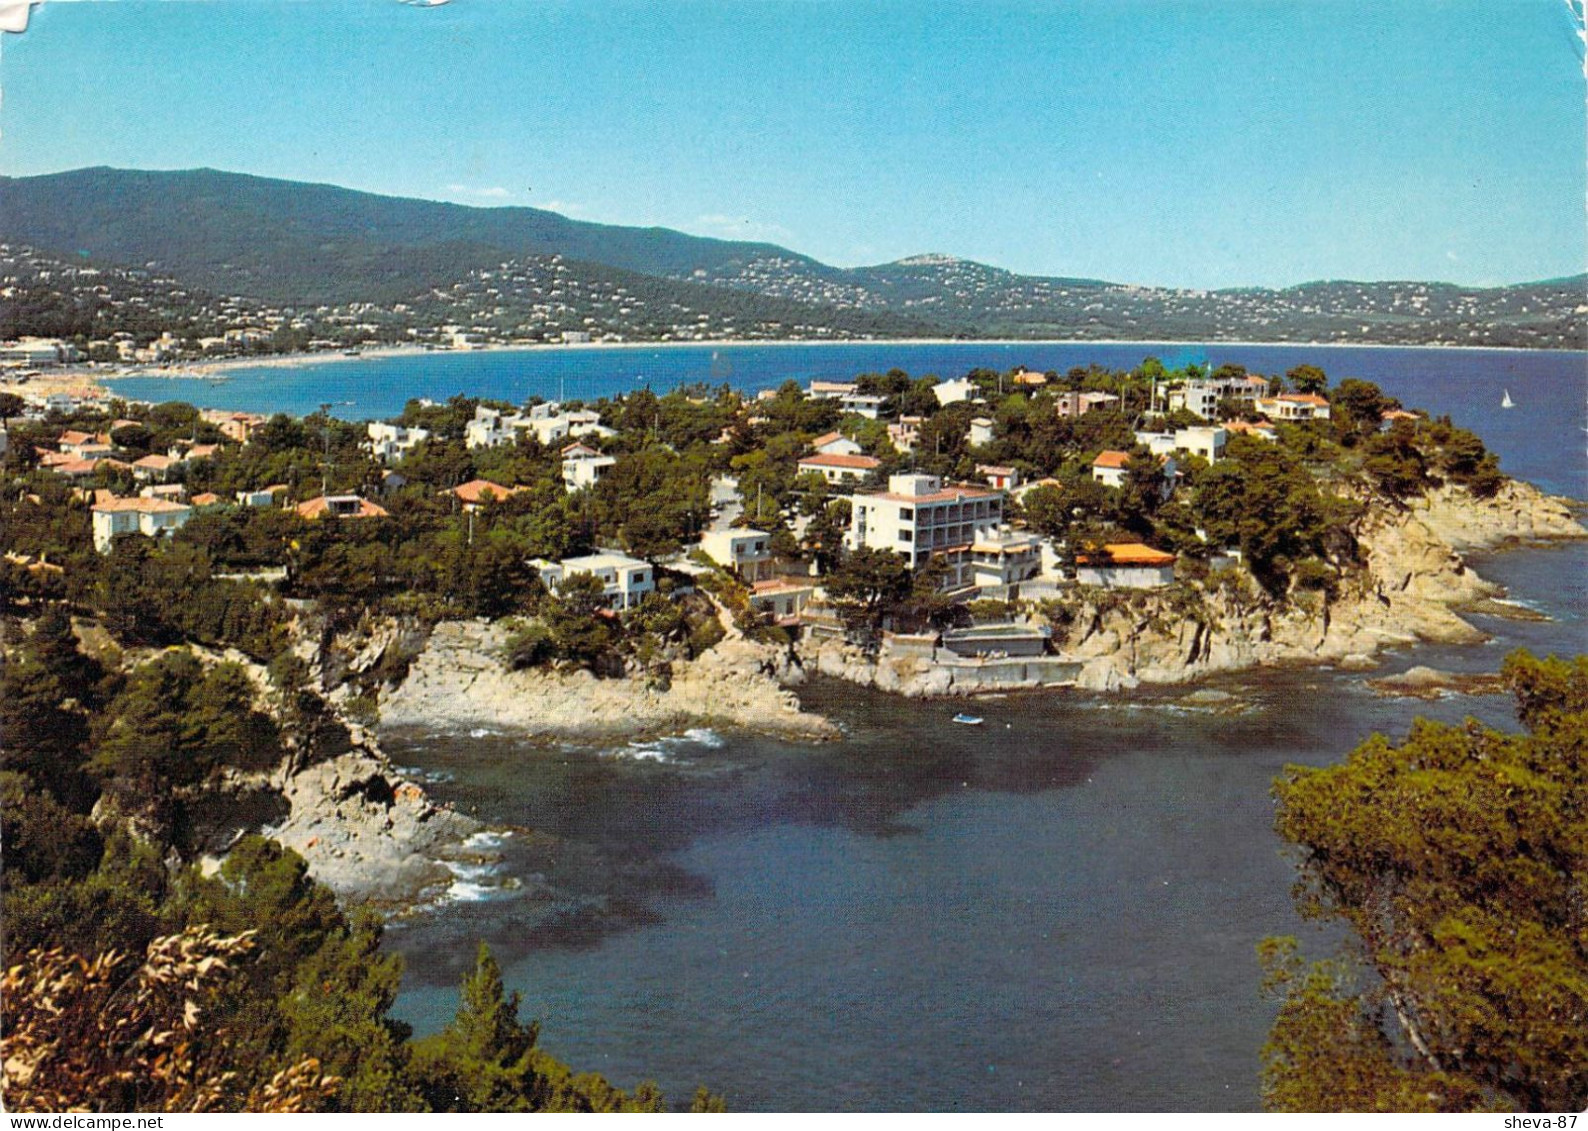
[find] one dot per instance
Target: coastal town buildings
(1207, 442)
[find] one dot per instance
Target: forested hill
(284, 242)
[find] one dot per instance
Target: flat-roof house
(624, 580)
(1125, 565)
(1002, 478)
(340, 506)
(1079, 404)
(868, 405)
(952, 392)
(981, 432)
(840, 469)
(154, 518)
(1206, 442)
(831, 390)
(747, 552)
(390, 442)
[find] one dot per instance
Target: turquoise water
(1055, 911)
(1549, 387)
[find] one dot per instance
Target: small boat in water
(1506, 401)
(968, 720)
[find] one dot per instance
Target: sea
(1055, 911)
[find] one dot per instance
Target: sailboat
(1506, 401)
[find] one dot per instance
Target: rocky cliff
(1413, 585)
(458, 683)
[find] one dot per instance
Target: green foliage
(1456, 860)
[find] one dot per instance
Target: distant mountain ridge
(291, 243)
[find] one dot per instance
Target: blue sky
(1203, 144)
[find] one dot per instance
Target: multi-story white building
(152, 517)
(1203, 397)
(583, 467)
(746, 552)
(962, 526)
(390, 442)
(831, 390)
(491, 427)
(624, 580)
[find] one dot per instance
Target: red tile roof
(1129, 553)
(853, 463)
(1111, 458)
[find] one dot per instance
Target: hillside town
(968, 516)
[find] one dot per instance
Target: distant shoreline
(201, 370)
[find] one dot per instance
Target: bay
(1550, 388)
(1057, 911)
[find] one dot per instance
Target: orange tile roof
(1130, 553)
(826, 438)
(205, 498)
(854, 463)
(478, 490)
(1111, 458)
(318, 507)
(1305, 398)
(155, 463)
(141, 505)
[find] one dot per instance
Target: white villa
(840, 469)
(747, 552)
(952, 392)
(390, 442)
(624, 580)
(152, 517)
(491, 428)
(1205, 442)
(583, 466)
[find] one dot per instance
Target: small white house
(835, 444)
(152, 517)
(952, 392)
(583, 467)
(747, 552)
(390, 442)
(981, 432)
(624, 580)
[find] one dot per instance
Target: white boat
(968, 720)
(1506, 401)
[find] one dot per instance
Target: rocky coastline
(1413, 587)
(371, 835)
(459, 683)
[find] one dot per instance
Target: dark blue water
(1056, 911)
(1550, 388)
